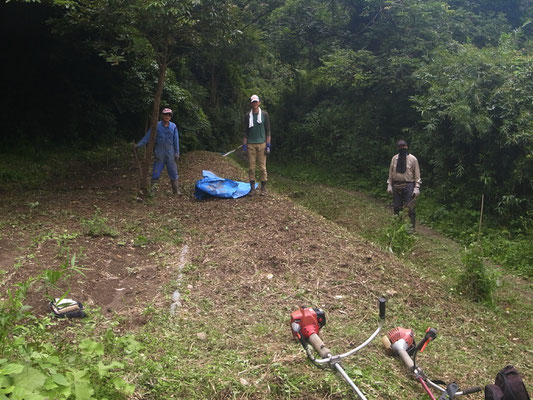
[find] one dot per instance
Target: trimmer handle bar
(328, 358)
(305, 326)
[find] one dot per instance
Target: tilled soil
(244, 239)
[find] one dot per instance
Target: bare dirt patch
(248, 237)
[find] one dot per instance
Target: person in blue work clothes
(166, 150)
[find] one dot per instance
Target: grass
(35, 167)
(431, 256)
(373, 220)
(232, 337)
(511, 250)
(242, 360)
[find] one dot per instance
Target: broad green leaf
(7, 390)
(60, 379)
(65, 391)
(30, 379)
(123, 386)
(22, 392)
(54, 360)
(83, 391)
(91, 347)
(80, 375)
(103, 369)
(11, 369)
(5, 381)
(50, 385)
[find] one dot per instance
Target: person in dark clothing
(404, 181)
(256, 142)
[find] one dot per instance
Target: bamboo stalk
(481, 215)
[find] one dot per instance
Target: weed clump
(398, 236)
(98, 226)
(478, 281)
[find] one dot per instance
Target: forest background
(342, 80)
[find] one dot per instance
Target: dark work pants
(402, 194)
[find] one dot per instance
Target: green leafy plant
(140, 241)
(12, 312)
(60, 238)
(49, 278)
(397, 236)
(98, 226)
(41, 371)
(478, 281)
(34, 365)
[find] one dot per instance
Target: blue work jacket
(167, 142)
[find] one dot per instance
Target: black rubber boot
(263, 189)
(252, 188)
(412, 218)
(175, 187)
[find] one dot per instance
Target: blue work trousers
(170, 163)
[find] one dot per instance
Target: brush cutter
(400, 341)
(306, 324)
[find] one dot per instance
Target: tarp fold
(214, 186)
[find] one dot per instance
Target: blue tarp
(214, 186)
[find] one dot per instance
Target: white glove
(389, 188)
(416, 192)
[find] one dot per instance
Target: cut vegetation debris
(250, 263)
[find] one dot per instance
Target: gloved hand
(416, 192)
(389, 188)
(176, 157)
(267, 149)
(244, 148)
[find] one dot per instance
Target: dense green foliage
(343, 81)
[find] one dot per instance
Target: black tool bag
(67, 308)
(508, 386)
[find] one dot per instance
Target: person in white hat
(256, 142)
(166, 150)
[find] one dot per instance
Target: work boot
(175, 187)
(411, 229)
(263, 188)
(252, 189)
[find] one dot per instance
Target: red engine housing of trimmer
(401, 333)
(310, 321)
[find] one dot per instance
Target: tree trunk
(145, 170)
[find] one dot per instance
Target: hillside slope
(240, 268)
